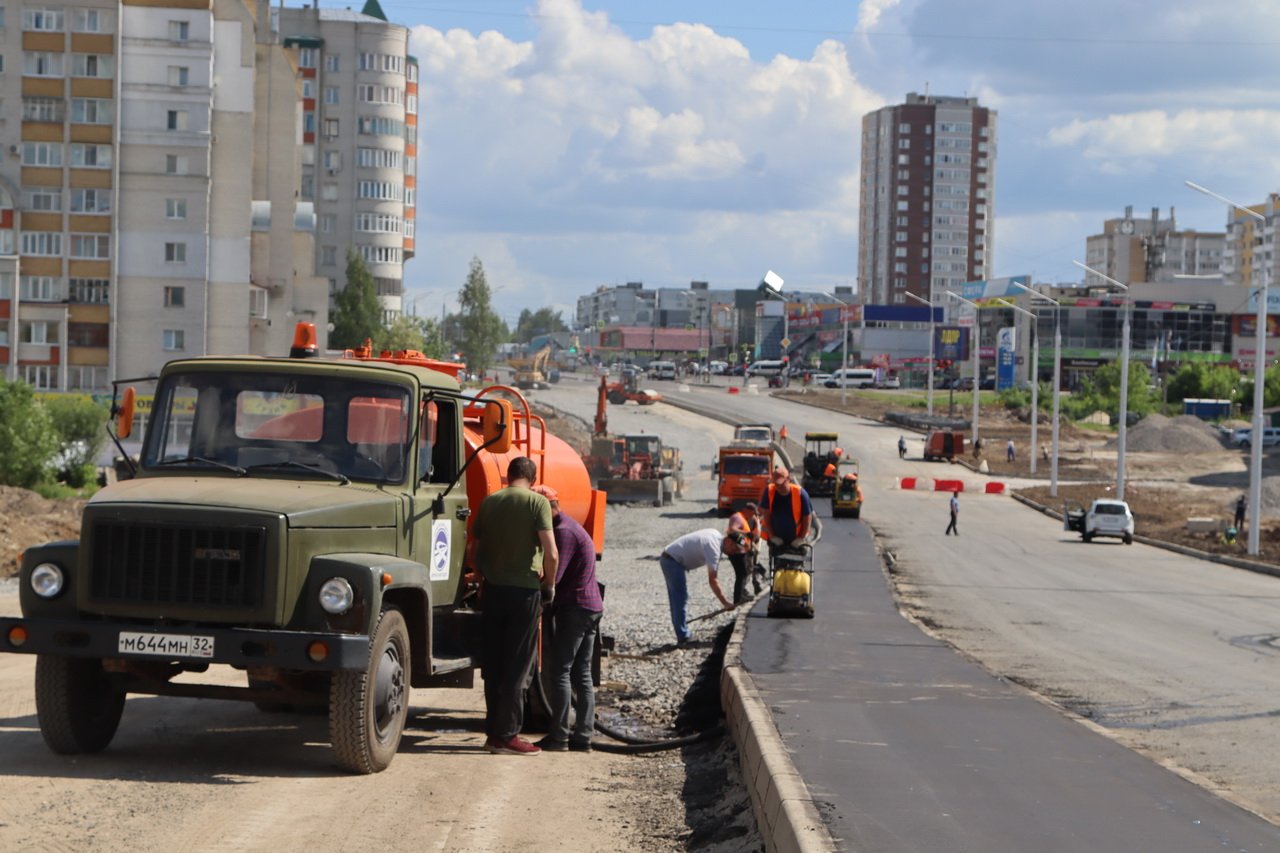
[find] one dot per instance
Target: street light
(974, 349)
(844, 347)
(1124, 377)
(1259, 380)
(1035, 384)
(1057, 370)
(924, 301)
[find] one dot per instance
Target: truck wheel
(78, 707)
(857, 513)
(367, 709)
(617, 399)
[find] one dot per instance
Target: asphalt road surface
(914, 747)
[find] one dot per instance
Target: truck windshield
(299, 425)
(754, 434)
(745, 466)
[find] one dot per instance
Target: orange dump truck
(743, 471)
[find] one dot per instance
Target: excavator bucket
(632, 491)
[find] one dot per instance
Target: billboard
(987, 291)
(1006, 358)
(950, 343)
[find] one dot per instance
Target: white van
(770, 367)
(852, 377)
(662, 369)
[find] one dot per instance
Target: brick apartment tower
(927, 199)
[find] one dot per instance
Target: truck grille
(162, 564)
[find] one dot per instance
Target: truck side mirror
(495, 425)
(123, 412)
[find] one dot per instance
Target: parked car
(890, 382)
(719, 368)
(1270, 437)
(819, 378)
(963, 383)
(987, 384)
(1105, 517)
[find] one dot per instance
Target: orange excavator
(632, 468)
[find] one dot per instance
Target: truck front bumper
(243, 647)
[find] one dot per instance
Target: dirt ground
(32, 520)
(1164, 488)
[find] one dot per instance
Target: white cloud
(585, 156)
(870, 11)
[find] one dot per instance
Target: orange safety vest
(796, 505)
(753, 530)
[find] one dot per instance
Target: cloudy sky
(574, 143)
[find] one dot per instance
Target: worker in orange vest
(742, 538)
(787, 511)
(782, 433)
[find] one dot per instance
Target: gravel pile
(1181, 434)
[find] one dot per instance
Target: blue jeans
(677, 597)
(569, 673)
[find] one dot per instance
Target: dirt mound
(32, 520)
(1182, 434)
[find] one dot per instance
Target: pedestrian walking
(514, 549)
(1009, 451)
(1240, 508)
(691, 551)
(902, 448)
(574, 613)
(955, 513)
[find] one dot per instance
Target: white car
(1105, 517)
(890, 382)
(1244, 437)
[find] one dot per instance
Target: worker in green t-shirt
(514, 549)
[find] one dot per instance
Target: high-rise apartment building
(927, 203)
(1151, 249)
(1249, 254)
(128, 195)
(360, 127)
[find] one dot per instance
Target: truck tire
(78, 707)
(857, 512)
(368, 708)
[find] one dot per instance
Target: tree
(357, 313)
(1214, 382)
(80, 424)
(544, 321)
(28, 439)
(482, 329)
(413, 333)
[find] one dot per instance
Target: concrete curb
(784, 809)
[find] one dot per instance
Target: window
(174, 339)
(39, 63)
(175, 297)
(175, 253)
(411, 104)
(85, 155)
(380, 254)
(90, 290)
(46, 243)
(39, 288)
(904, 205)
(86, 378)
(175, 164)
(308, 87)
(331, 94)
(46, 20)
(45, 199)
(92, 65)
(175, 208)
(333, 63)
(329, 192)
(42, 377)
(307, 57)
(308, 187)
(904, 143)
(176, 120)
(379, 126)
(379, 158)
(309, 122)
(87, 335)
(91, 246)
(371, 94)
(408, 228)
(331, 128)
(327, 222)
(384, 190)
(38, 332)
(333, 160)
(179, 75)
(91, 110)
(90, 201)
(179, 30)
(90, 21)
(328, 255)
(409, 195)
(257, 302)
(382, 223)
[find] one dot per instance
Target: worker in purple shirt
(575, 610)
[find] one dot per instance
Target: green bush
(28, 438)
(80, 424)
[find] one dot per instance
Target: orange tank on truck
(743, 472)
(302, 520)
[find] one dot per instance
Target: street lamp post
(1124, 378)
(1259, 381)
(1057, 368)
(1035, 385)
(974, 350)
(923, 301)
(844, 347)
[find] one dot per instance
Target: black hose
(633, 745)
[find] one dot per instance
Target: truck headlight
(47, 580)
(336, 596)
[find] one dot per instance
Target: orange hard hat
(547, 492)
